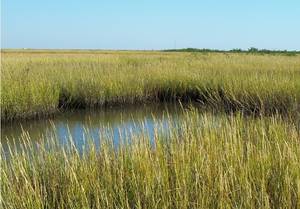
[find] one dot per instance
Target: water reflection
(110, 122)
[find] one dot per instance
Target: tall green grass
(39, 83)
(202, 162)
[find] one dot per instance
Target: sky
(150, 24)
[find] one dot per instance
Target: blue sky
(152, 24)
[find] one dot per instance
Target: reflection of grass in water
(38, 83)
(93, 119)
(240, 163)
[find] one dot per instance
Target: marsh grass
(203, 162)
(38, 83)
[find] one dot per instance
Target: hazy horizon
(98, 49)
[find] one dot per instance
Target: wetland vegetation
(237, 146)
(37, 83)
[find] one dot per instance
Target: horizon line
(161, 49)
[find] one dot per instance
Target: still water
(114, 122)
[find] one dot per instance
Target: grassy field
(37, 83)
(232, 162)
(247, 157)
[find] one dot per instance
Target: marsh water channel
(111, 122)
(77, 127)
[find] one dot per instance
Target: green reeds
(39, 83)
(202, 162)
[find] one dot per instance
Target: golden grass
(38, 83)
(205, 162)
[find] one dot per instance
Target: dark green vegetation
(251, 50)
(38, 83)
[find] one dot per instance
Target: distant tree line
(252, 50)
